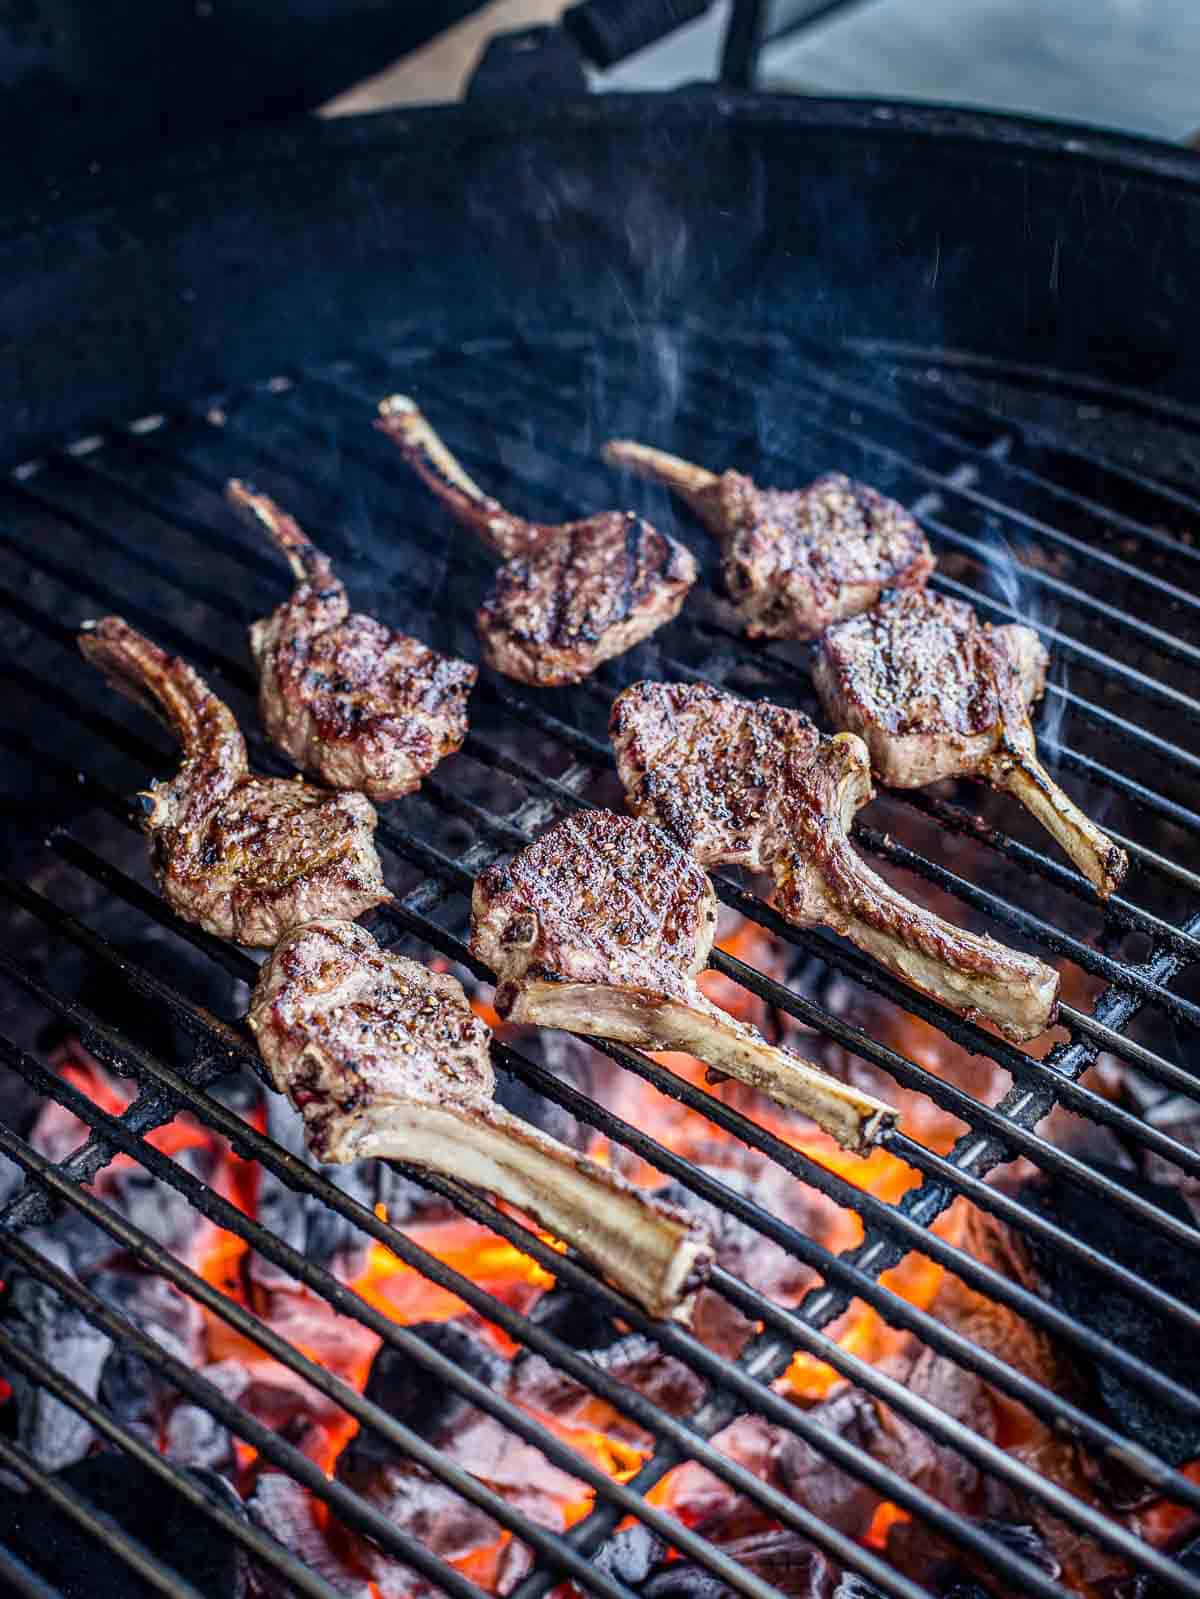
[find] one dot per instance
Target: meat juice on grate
(474, 1543)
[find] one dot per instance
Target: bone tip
(89, 624)
(617, 451)
(239, 493)
(401, 409)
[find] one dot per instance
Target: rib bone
(344, 697)
(567, 598)
(744, 783)
(244, 856)
(386, 1059)
(936, 693)
(601, 926)
(794, 560)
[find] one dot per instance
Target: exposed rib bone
(260, 512)
(695, 485)
(600, 927)
(386, 1059)
(650, 1020)
(409, 429)
(737, 782)
(242, 855)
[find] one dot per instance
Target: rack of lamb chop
(600, 927)
(934, 692)
(344, 697)
(385, 1058)
(793, 560)
(754, 785)
(243, 856)
(566, 598)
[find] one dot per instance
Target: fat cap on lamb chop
(793, 560)
(601, 926)
(384, 1058)
(736, 782)
(343, 696)
(566, 598)
(934, 692)
(244, 856)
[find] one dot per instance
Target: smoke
(1008, 580)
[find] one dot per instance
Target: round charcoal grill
(986, 318)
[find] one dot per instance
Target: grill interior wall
(132, 521)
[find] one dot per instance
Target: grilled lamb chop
(737, 783)
(935, 692)
(601, 925)
(343, 696)
(385, 1058)
(244, 856)
(567, 598)
(794, 560)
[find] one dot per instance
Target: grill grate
(142, 498)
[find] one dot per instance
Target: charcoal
(54, 1434)
(284, 1508)
(413, 1395)
(148, 1509)
(193, 1436)
(1125, 1322)
(631, 1554)
(577, 1319)
(567, 1058)
(131, 1389)
(792, 1566)
(633, 1360)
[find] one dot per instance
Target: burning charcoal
(913, 1548)
(1125, 1322)
(134, 1391)
(783, 1559)
(150, 1510)
(194, 1437)
(285, 1509)
(631, 1555)
(55, 1435)
(413, 1395)
(634, 1361)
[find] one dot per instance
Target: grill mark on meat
(343, 696)
(793, 560)
(567, 598)
(934, 692)
(600, 926)
(242, 855)
(755, 785)
(384, 1058)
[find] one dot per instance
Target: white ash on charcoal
(280, 1399)
(633, 1360)
(151, 1511)
(54, 1435)
(783, 1559)
(417, 1502)
(132, 1390)
(285, 1509)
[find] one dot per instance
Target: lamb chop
(601, 926)
(244, 856)
(935, 692)
(794, 560)
(567, 598)
(341, 695)
(737, 783)
(384, 1058)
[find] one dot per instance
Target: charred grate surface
(1097, 556)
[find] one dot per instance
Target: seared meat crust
(601, 925)
(794, 560)
(568, 597)
(598, 898)
(706, 767)
(587, 592)
(934, 692)
(385, 1058)
(346, 698)
(788, 810)
(244, 856)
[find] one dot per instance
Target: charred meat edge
(653, 1252)
(1005, 757)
